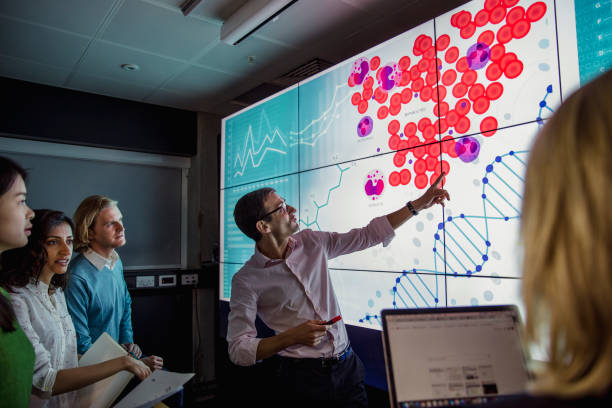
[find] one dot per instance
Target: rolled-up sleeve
(44, 375)
(379, 230)
(241, 332)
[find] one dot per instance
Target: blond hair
(567, 234)
(85, 217)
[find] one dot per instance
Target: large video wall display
(464, 94)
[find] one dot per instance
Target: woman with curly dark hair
(37, 275)
(16, 353)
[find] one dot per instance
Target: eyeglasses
(282, 207)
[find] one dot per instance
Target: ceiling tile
(80, 16)
(32, 71)
(196, 81)
(160, 31)
(235, 58)
(39, 44)
(109, 87)
(105, 59)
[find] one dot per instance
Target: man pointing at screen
(287, 284)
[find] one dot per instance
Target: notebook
(458, 356)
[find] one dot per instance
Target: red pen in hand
(334, 320)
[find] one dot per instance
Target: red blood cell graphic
(429, 53)
(399, 159)
(440, 109)
(394, 178)
(515, 15)
(481, 105)
(490, 4)
(509, 3)
(476, 91)
(439, 93)
(442, 42)
(403, 144)
(374, 63)
(468, 30)
(423, 65)
(536, 11)
(429, 132)
(420, 181)
(463, 125)
(506, 59)
(423, 42)
(404, 62)
(420, 166)
(393, 127)
(463, 19)
(356, 98)
(410, 129)
(393, 141)
(431, 162)
(493, 72)
(351, 81)
(452, 117)
(380, 95)
(462, 64)
(449, 77)
(481, 18)
(414, 73)
(367, 93)
(433, 66)
(434, 150)
(396, 99)
(459, 90)
(450, 148)
(418, 152)
(513, 69)
(435, 176)
(405, 78)
(423, 123)
(462, 107)
(413, 141)
(497, 51)
(441, 125)
(451, 55)
(504, 34)
(430, 79)
(497, 14)
(486, 37)
(469, 77)
(362, 107)
(488, 126)
(406, 95)
(417, 84)
(494, 90)
(395, 109)
(520, 29)
(445, 166)
(405, 176)
(368, 82)
(382, 113)
(425, 94)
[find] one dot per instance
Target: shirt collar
(99, 261)
(260, 259)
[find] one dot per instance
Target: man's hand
(153, 362)
(309, 333)
(433, 195)
(132, 348)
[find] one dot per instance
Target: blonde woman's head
(567, 233)
(85, 218)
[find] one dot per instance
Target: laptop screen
(450, 356)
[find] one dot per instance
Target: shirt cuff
(244, 353)
(46, 383)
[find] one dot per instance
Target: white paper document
(155, 388)
(102, 393)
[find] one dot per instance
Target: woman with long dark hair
(37, 276)
(16, 352)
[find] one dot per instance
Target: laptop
(458, 356)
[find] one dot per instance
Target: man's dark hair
(248, 211)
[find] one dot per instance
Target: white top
(45, 320)
(99, 261)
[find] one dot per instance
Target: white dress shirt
(45, 320)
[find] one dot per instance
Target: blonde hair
(567, 233)
(85, 217)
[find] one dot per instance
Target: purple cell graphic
(374, 184)
(389, 76)
(467, 149)
(361, 67)
(364, 127)
(478, 55)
